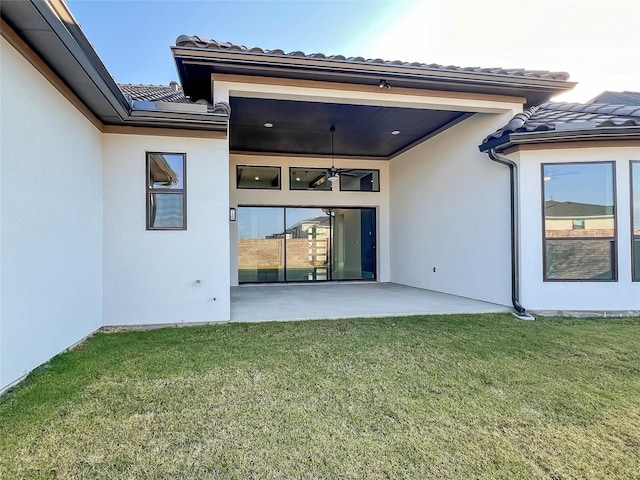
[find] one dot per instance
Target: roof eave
(59, 41)
(204, 121)
(357, 72)
(546, 137)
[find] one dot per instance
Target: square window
(577, 223)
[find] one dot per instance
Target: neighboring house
(160, 199)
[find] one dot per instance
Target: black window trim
(614, 238)
(322, 169)
(362, 170)
(174, 191)
(238, 166)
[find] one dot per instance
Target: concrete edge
(141, 327)
(588, 313)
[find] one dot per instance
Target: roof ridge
(197, 41)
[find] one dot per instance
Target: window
(360, 181)
(166, 191)
(258, 177)
(579, 221)
(635, 219)
(305, 178)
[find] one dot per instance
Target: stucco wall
(150, 276)
(540, 295)
(302, 198)
(450, 211)
(51, 221)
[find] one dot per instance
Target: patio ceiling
(303, 127)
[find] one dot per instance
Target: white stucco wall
(51, 220)
(150, 276)
(537, 294)
(302, 198)
(450, 211)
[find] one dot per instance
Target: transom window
(579, 221)
(306, 178)
(360, 181)
(166, 191)
(258, 177)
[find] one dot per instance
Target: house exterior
(137, 204)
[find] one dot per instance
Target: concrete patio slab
(261, 303)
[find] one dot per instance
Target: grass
(476, 396)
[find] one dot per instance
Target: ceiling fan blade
(319, 180)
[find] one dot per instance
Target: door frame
(374, 249)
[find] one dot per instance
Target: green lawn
(461, 396)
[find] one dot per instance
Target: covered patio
(262, 303)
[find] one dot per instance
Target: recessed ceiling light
(297, 179)
(268, 125)
(257, 178)
(395, 132)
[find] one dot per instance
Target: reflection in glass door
(307, 244)
(260, 245)
(353, 245)
(287, 244)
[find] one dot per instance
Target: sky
(596, 41)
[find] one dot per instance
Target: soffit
(302, 128)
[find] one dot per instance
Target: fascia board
(586, 135)
(61, 22)
(266, 63)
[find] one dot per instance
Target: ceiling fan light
(333, 178)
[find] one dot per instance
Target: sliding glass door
(260, 245)
(305, 244)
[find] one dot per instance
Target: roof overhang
(514, 140)
(50, 31)
(195, 66)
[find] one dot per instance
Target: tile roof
(154, 93)
(214, 45)
(552, 116)
(171, 93)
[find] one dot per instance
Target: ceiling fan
(332, 174)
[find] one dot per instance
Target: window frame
(278, 167)
(635, 276)
(614, 238)
(308, 189)
(150, 191)
(361, 170)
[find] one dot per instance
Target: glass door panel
(308, 236)
(353, 252)
(260, 244)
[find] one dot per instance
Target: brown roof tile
(215, 45)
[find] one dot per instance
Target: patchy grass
(477, 396)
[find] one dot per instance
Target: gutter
(512, 139)
(520, 311)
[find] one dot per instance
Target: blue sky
(595, 41)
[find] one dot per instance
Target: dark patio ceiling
(303, 127)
